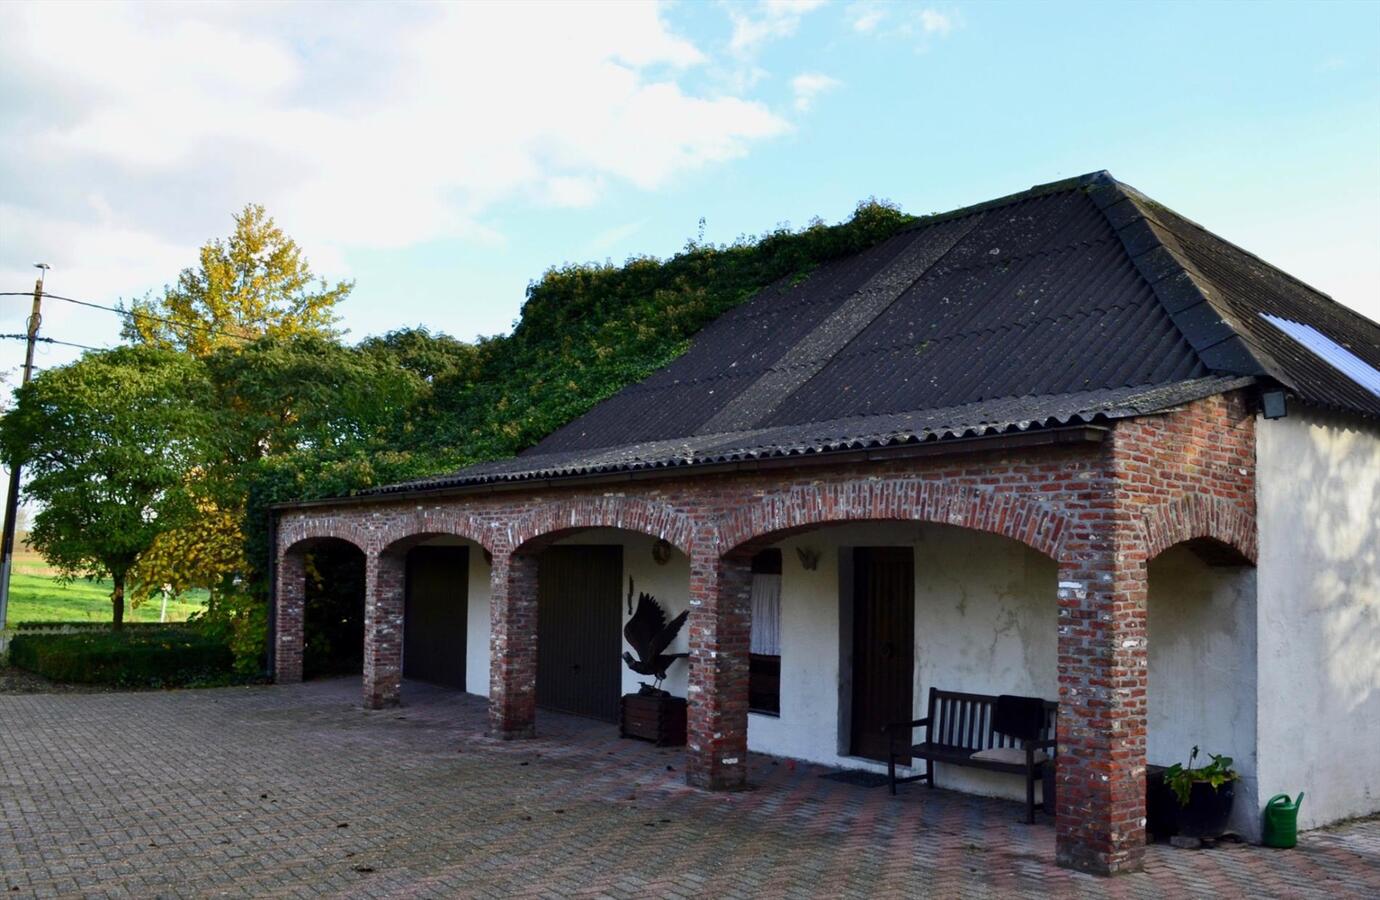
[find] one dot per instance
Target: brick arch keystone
(292, 532)
(1037, 525)
(1191, 516)
(434, 521)
(649, 517)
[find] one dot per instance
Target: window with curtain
(764, 674)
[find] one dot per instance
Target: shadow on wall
(1201, 641)
(1344, 538)
(1320, 613)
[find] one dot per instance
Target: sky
(444, 156)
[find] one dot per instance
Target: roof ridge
(1039, 190)
(1205, 321)
(1143, 198)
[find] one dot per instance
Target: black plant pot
(1207, 811)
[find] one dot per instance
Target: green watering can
(1282, 821)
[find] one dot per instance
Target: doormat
(857, 777)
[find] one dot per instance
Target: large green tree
(255, 283)
(110, 446)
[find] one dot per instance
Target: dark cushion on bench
(1021, 717)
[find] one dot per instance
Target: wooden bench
(959, 725)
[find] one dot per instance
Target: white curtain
(766, 614)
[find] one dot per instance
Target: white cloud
(809, 85)
(769, 20)
(891, 20)
(866, 15)
(935, 22)
(611, 237)
(368, 126)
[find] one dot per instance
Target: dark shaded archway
(333, 609)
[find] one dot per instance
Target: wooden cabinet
(660, 720)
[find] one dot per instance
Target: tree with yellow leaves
(256, 283)
(206, 553)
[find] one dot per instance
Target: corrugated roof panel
(1077, 301)
(1330, 352)
(1236, 288)
(1000, 416)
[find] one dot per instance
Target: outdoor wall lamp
(1274, 404)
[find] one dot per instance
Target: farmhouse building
(1065, 444)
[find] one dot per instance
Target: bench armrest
(894, 727)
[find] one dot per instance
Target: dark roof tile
(1079, 301)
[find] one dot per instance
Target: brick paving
(294, 791)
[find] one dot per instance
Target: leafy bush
(69, 625)
(1216, 773)
(148, 656)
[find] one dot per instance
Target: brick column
(513, 646)
(720, 631)
(383, 629)
(1102, 706)
(290, 593)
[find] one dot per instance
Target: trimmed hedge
(149, 656)
(84, 626)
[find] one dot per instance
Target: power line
(48, 340)
(134, 313)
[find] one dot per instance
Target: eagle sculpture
(650, 634)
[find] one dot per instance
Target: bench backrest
(965, 720)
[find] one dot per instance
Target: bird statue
(650, 634)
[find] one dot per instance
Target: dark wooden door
(436, 606)
(883, 645)
(579, 630)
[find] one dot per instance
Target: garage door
(437, 603)
(579, 630)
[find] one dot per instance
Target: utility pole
(12, 500)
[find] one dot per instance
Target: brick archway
(432, 522)
(1193, 516)
(1037, 525)
(289, 590)
(295, 532)
(660, 520)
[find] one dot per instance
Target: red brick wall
(1166, 479)
(1100, 510)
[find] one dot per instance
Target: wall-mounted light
(809, 557)
(1274, 404)
(661, 552)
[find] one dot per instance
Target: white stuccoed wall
(477, 625)
(1318, 587)
(1202, 670)
(477, 615)
(985, 621)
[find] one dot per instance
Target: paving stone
(242, 792)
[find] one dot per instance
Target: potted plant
(1205, 794)
(652, 714)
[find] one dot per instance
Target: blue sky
(445, 156)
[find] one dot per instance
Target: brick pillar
(1102, 705)
(383, 629)
(290, 592)
(513, 646)
(720, 631)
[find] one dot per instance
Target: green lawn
(36, 596)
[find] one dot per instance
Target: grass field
(37, 596)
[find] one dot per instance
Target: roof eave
(1036, 437)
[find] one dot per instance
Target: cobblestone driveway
(295, 791)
